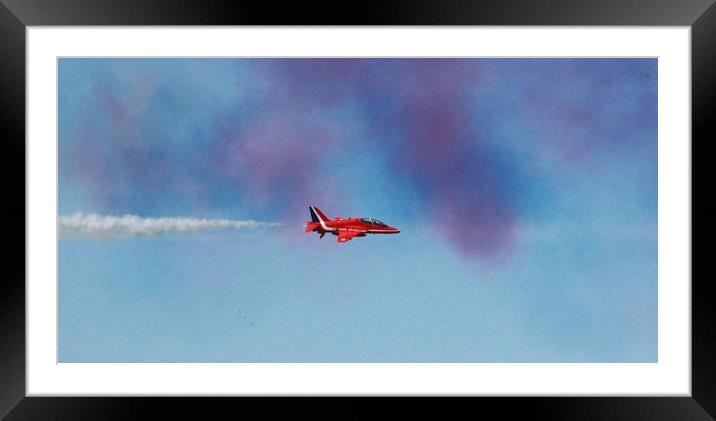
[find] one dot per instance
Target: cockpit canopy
(373, 221)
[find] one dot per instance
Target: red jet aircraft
(346, 228)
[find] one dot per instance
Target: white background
(670, 376)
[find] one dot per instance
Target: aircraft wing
(346, 236)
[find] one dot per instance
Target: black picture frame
(16, 15)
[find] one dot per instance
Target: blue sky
(525, 191)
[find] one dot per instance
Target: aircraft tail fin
(317, 215)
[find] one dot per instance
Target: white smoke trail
(93, 225)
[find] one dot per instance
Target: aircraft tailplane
(312, 226)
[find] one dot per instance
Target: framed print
(535, 183)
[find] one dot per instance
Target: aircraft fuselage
(346, 228)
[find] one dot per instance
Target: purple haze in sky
(151, 136)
